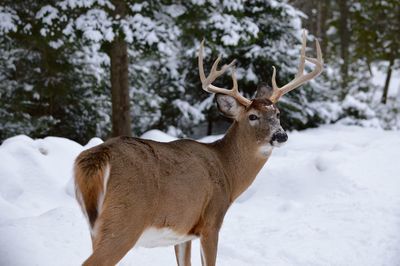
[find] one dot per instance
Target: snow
(352, 102)
(232, 28)
(8, 20)
(188, 111)
(47, 14)
(95, 25)
(330, 196)
(84, 3)
(158, 135)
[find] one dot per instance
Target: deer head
(258, 117)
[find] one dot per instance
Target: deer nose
(280, 136)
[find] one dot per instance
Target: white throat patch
(275, 143)
(266, 150)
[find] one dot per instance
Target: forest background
(84, 68)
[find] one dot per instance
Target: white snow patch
(8, 20)
(158, 135)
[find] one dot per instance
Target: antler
(300, 77)
(214, 74)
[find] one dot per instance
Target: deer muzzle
(279, 137)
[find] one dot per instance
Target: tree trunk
(121, 120)
(369, 67)
(319, 26)
(325, 8)
(344, 43)
(209, 126)
(387, 81)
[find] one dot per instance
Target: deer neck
(242, 158)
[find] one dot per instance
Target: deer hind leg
(182, 253)
(113, 236)
(209, 245)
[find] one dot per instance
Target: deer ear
(264, 91)
(229, 106)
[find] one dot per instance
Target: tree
(100, 28)
(344, 43)
(258, 34)
(143, 54)
(376, 31)
(45, 86)
(121, 116)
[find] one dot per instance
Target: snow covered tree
(45, 88)
(84, 33)
(376, 28)
(371, 42)
(259, 34)
(157, 42)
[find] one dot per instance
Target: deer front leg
(209, 245)
(182, 253)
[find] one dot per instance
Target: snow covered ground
(330, 196)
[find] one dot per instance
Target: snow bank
(158, 135)
(331, 196)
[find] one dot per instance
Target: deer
(138, 192)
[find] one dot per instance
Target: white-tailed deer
(146, 193)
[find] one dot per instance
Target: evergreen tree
(58, 57)
(44, 92)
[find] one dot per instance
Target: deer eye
(253, 117)
(278, 115)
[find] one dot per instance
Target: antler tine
(300, 77)
(302, 54)
(200, 62)
(214, 74)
